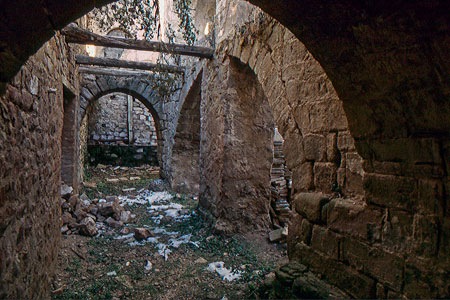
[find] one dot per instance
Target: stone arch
(389, 63)
(94, 87)
(185, 177)
(318, 145)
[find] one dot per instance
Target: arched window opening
(121, 131)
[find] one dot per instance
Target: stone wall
(108, 122)
(144, 130)
(319, 148)
(386, 237)
(31, 121)
(236, 147)
(108, 119)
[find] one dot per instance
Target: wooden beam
(128, 64)
(112, 72)
(76, 35)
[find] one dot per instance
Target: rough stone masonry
(389, 65)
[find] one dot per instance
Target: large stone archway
(389, 63)
(94, 87)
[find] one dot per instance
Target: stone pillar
(69, 139)
(236, 148)
(130, 119)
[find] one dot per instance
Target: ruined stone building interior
(296, 149)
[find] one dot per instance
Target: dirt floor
(183, 259)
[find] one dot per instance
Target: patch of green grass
(74, 265)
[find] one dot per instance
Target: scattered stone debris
(201, 261)
(66, 191)
(142, 234)
(148, 266)
(81, 215)
(226, 274)
(278, 235)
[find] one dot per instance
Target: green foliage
(144, 15)
(136, 15)
(183, 10)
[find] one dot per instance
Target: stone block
(390, 191)
(385, 266)
(293, 148)
(397, 230)
(294, 236)
(326, 242)
(302, 177)
(340, 177)
(425, 239)
(382, 167)
(425, 281)
(353, 174)
(345, 141)
(337, 273)
(407, 150)
(315, 147)
(86, 93)
(444, 248)
(431, 196)
(332, 150)
(354, 218)
(324, 176)
(310, 205)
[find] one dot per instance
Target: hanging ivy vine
(144, 16)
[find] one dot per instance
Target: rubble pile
(81, 215)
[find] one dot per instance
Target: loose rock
(66, 191)
(142, 233)
(113, 223)
(88, 227)
(125, 216)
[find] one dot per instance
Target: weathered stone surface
(73, 201)
(423, 282)
(278, 235)
(88, 227)
(348, 280)
(186, 150)
(303, 177)
(350, 216)
(142, 233)
(391, 191)
(397, 230)
(310, 205)
(387, 267)
(67, 218)
(237, 128)
(326, 241)
(109, 209)
(66, 191)
(125, 216)
(315, 147)
(113, 223)
(31, 122)
(324, 176)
